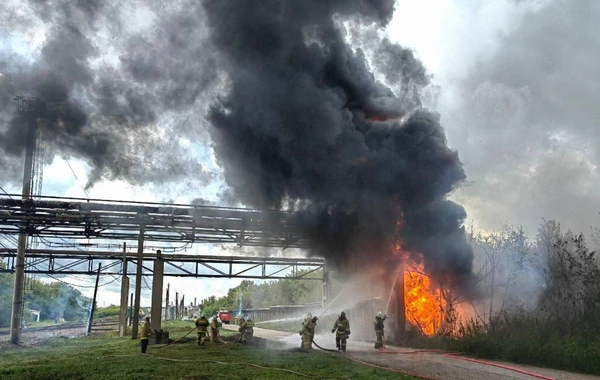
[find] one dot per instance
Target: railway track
(101, 325)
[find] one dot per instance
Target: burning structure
(300, 122)
(306, 126)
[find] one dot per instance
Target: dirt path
(425, 364)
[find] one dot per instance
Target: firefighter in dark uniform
(379, 319)
(341, 328)
(247, 330)
(202, 329)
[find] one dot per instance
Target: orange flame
(379, 118)
(424, 305)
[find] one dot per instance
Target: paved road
(426, 364)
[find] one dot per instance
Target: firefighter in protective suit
(379, 319)
(201, 329)
(308, 330)
(214, 330)
(247, 330)
(341, 328)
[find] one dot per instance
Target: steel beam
(53, 216)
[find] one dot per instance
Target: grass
(521, 340)
(109, 357)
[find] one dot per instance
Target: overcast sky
(516, 85)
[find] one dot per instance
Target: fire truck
(224, 316)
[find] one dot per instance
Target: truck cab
(224, 316)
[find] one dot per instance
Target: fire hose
(372, 365)
(219, 338)
(457, 355)
(175, 341)
(451, 355)
(249, 365)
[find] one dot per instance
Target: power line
(11, 198)
(73, 171)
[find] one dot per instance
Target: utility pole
(130, 309)
(138, 282)
(167, 303)
(91, 320)
(124, 291)
(32, 108)
(176, 305)
(182, 305)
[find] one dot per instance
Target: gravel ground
(30, 339)
(429, 365)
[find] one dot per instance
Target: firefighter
(341, 328)
(145, 334)
(379, 319)
(308, 331)
(312, 335)
(202, 329)
(214, 330)
(247, 330)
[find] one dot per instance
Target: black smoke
(306, 126)
(117, 97)
(300, 122)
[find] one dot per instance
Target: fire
(379, 118)
(424, 305)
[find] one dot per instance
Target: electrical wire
(75, 175)
(4, 191)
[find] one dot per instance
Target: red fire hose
(456, 355)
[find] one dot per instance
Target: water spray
(333, 301)
(392, 289)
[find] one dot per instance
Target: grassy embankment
(108, 357)
(523, 340)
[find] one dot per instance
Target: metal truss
(104, 219)
(57, 262)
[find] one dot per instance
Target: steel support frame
(48, 261)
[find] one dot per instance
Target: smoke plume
(306, 126)
(300, 122)
(118, 96)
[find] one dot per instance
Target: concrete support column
(326, 287)
(124, 293)
(400, 306)
(157, 289)
(17, 305)
(138, 283)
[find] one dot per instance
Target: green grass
(524, 340)
(110, 357)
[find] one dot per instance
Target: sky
(514, 81)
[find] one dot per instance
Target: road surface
(431, 365)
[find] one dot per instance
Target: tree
(504, 260)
